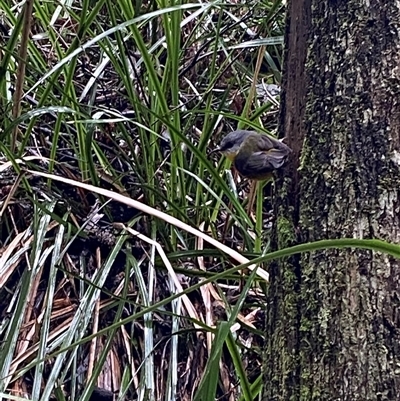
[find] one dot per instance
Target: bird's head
(231, 143)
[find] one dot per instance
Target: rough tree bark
(333, 316)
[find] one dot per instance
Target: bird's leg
(259, 216)
(228, 220)
(249, 207)
(251, 197)
(257, 191)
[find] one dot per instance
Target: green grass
(129, 97)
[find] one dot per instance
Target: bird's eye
(228, 145)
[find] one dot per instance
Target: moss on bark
(333, 317)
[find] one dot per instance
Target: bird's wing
(266, 161)
(268, 143)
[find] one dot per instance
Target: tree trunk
(333, 316)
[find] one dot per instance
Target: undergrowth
(130, 98)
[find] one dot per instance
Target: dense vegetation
(130, 97)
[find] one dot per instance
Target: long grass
(130, 97)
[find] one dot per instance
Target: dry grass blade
(6, 269)
(206, 292)
(156, 213)
(189, 306)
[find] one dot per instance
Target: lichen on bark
(334, 316)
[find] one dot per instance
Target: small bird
(254, 156)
